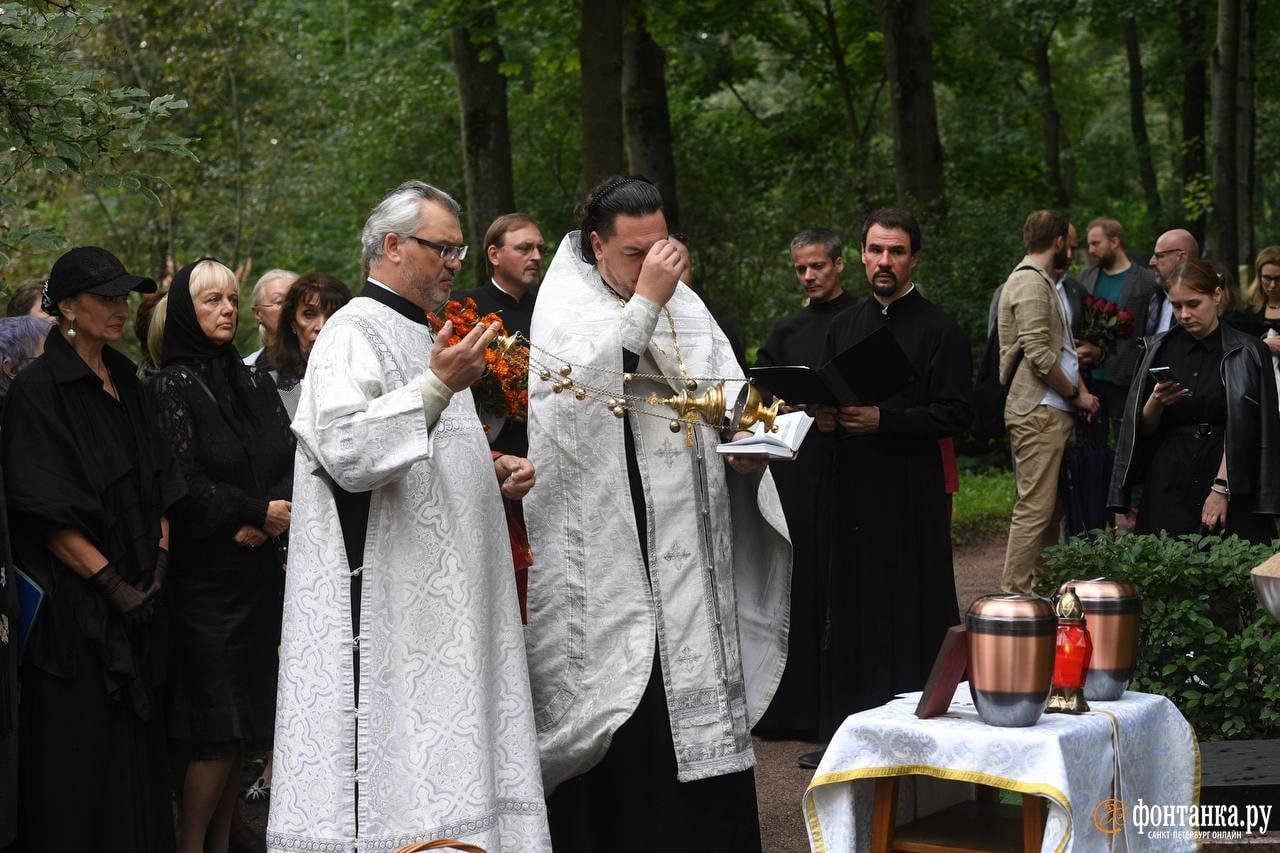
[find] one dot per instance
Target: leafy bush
(1206, 642)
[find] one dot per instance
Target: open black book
(870, 371)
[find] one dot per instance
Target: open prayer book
(783, 444)
(867, 373)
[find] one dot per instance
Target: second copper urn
(1113, 610)
(1010, 657)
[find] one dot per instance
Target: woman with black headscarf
(224, 422)
(88, 484)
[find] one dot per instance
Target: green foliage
(62, 118)
(301, 115)
(1206, 642)
(983, 505)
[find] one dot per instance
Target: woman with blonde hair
(224, 422)
(1260, 315)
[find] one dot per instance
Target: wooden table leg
(1033, 817)
(883, 814)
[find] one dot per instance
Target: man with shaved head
(1172, 248)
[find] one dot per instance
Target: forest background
(268, 129)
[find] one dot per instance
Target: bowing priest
(893, 590)
(403, 708)
(807, 487)
(658, 596)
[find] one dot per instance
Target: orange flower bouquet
(503, 390)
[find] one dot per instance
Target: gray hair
(261, 285)
(20, 337)
(400, 213)
(825, 237)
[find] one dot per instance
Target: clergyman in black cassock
(806, 487)
(513, 249)
(892, 586)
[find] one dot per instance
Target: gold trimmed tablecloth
(1069, 760)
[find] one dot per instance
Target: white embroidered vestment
(441, 742)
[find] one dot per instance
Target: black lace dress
(227, 598)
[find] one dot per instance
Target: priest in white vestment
(403, 711)
(658, 597)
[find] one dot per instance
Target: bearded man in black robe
(806, 487)
(892, 587)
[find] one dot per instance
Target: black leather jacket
(1253, 423)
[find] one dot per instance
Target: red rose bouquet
(1105, 323)
(504, 388)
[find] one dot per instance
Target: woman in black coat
(88, 485)
(224, 422)
(1205, 442)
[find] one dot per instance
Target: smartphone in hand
(1165, 374)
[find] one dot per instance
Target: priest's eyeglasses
(446, 252)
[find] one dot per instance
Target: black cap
(88, 268)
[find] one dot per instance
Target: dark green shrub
(1206, 643)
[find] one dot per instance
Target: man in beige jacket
(1039, 363)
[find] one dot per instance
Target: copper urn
(1011, 641)
(1113, 610)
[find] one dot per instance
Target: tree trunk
(1138, 123)
(829, 32)
(1053, 133)
(600, 53)
(1226, 243)
(486, 136)
(1193, 19)
(648, 121)
(917, 150)
(1246, 125)
(822, 22)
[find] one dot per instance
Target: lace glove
(124, 597)
(162, 569)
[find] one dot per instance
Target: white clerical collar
(373, 280)
(884, 309)
(504, 290)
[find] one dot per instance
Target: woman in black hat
(225, 424)
(88, 486)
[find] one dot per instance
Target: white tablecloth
(1068, 759)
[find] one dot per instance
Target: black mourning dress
(893, 593)
(1186, 450)
(93, 763)
(225, 424)
(806, 488)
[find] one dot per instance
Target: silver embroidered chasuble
(441, 743)
(716, 594)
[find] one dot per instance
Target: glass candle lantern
(1071, 657)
